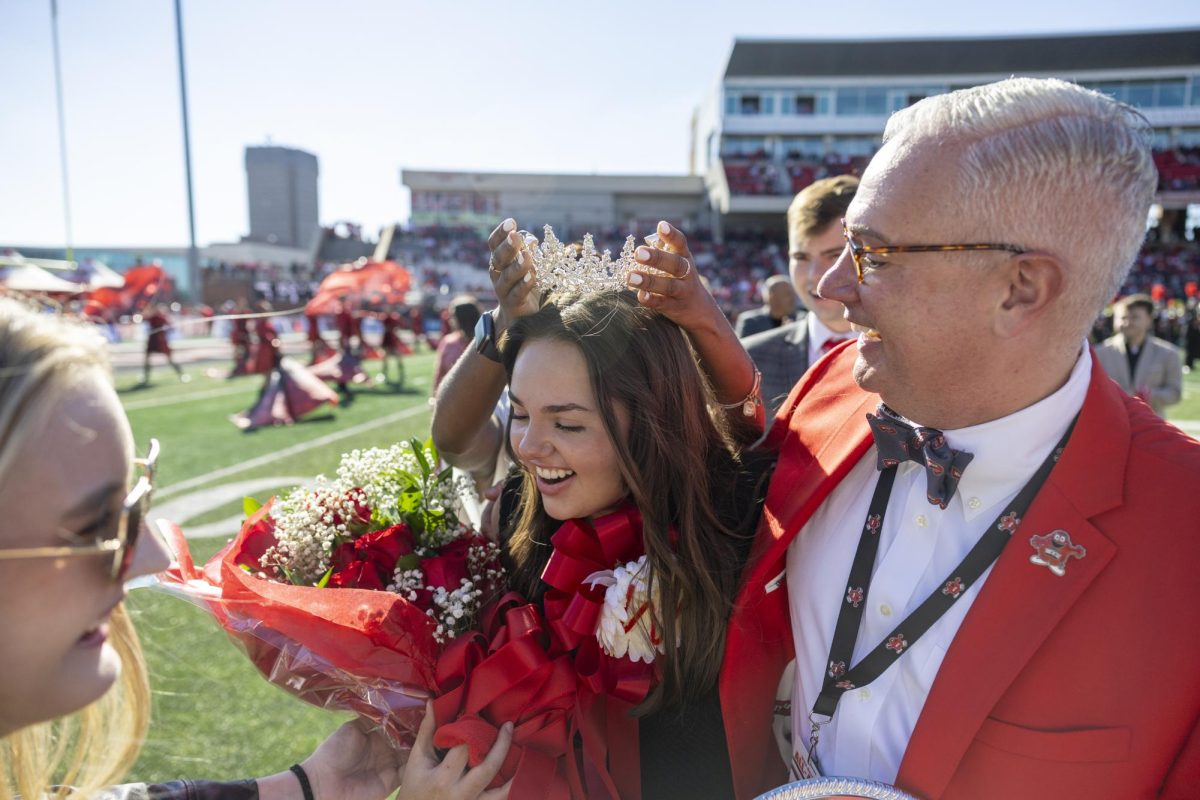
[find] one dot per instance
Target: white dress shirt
(818, 334)
(919, 545)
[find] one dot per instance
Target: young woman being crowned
(628, 521)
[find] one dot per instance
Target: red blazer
(1086, 685)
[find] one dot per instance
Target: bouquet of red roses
(367, 593)
(345, 593)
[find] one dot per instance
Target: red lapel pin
(1054, 550)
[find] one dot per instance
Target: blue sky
(371, 86)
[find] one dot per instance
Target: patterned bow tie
(830, 344)
(897, 441)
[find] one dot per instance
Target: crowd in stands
(289, 286)
(294, 285)
(752, 176)
(803, 171)
(449, 260)
(434, 245)
(1178, 169)
(1166, 271)
(759, 174)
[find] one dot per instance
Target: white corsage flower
(625, 627)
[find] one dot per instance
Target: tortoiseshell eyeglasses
(863, 264)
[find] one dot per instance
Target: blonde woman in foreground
(74, 701)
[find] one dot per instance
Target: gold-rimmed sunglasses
(862, 253)
(119, 548)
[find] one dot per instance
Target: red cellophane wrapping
(358, 650)
(374, 653)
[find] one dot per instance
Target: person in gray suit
(814, 242)
(778, 308)
(1142, 364)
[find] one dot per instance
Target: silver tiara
(559, 267)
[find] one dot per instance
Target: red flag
(143, 283)
(370, 282)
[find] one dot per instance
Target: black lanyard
(839, 678)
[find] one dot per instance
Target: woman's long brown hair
(677, 457)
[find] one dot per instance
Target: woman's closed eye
(516, 416)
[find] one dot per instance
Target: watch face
(483, 332)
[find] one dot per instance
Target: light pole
(193, 261)
(62, 131)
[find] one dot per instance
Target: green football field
(214, 716)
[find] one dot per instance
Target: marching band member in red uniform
(159, 324)
(239, 337)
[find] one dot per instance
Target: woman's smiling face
(558, 434)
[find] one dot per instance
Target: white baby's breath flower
(305, 531)
(407, 583)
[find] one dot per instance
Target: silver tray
(831, 788)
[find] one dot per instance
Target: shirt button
(974, 503)
(921, 521)
(885, 610)
(864, 694)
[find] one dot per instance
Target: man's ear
(1035, 282)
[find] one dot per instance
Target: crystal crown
(563, 267)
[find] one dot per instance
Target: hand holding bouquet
(346, 592)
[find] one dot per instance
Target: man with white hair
(979, 551)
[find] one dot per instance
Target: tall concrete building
(281, 185)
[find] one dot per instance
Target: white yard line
(268, 458)
(187, 398)
(226, 390)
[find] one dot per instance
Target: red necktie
(830, 344)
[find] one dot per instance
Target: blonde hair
(39, 354)
(1047, 165)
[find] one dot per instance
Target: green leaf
(431, 447)
(250, 505)
(425, 468)
(321, 584)
(410, 501)
(410, 561)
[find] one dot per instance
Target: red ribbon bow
(551, 677)
(609, 688)
(510, 670)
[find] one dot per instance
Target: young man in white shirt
(814, 244)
